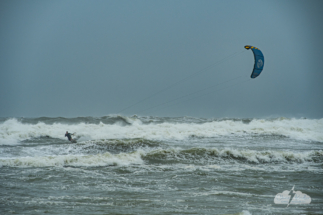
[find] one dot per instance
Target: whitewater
(159, 165)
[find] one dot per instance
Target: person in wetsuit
(69, 136)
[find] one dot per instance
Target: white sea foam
(12, 131)
(75, 160)
(267, 156)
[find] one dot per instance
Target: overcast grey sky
(94, 58)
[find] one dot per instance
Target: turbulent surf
(180, 165)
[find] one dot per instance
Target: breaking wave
(13, 131)
(171, 155)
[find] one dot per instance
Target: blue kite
(259, 61)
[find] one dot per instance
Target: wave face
(173, 165)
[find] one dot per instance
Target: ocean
(161, 165)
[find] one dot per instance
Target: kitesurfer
(69, 136)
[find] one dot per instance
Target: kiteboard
(73, 141)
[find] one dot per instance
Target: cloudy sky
(160, 58)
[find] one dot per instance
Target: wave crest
(202, 155)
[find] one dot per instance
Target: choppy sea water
(156, 165)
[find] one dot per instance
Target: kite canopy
(259, 61)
